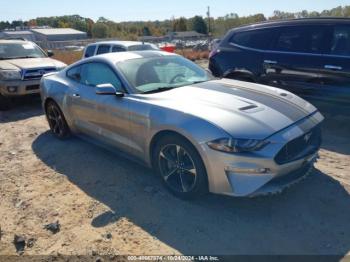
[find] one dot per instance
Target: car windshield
(20, 50)
(156, 74)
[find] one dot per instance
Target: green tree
(133, 30)
(17, 23)
(99, 30)
(89, 25)
(146, 31)
(277, 15)
(198, 24)
(62, 24)
(5, 25)
(102, 20)
(180, 25)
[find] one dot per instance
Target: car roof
(298, 21)
(121, 43)
(124, 56)
(13, 41)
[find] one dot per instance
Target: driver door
(105, 117)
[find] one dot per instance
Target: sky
(137, 10)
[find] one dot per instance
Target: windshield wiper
(21, 57)
(159, 89)
(198, 82)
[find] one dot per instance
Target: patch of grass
(193, 55)
(68, 57)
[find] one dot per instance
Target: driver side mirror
(107, 89)
(50, 53)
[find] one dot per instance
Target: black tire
(57, 122)
(184, 182)
(5, 103)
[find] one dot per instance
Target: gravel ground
(106, 204)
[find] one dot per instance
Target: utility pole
(208, 14)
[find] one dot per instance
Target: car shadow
(22, 108)
(335, 126)
(335, 129)
(309, 218)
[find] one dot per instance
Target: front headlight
(232, 145)
(10, 75)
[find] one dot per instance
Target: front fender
(198, 131)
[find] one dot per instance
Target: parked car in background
(116, 46)
(309, 57)
(214, 44)
(199, 133)
(73, 48)
(167, 47)
(22, 64)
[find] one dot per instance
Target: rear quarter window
(141, 47)
(90, 51)
(103, 49)
(74, 73)
(259, 39)
(341, 40)
(305, 39)
(117, 48)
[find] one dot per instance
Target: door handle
(333, 67)
(270, 62)
(76, 96)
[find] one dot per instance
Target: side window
(305, 39)
(259, 39)
(90, 51)
(94, 74)
(341, 40)
(141, 47)
(74, 73)
(117, 48)
(102, 49)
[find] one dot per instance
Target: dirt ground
(106, 204)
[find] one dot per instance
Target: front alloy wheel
(177, 168)
(180, 167)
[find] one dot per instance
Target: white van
(116, 46)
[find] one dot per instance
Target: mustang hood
(244, 110)
(29, 63)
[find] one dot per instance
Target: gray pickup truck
(22, 64)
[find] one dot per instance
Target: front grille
(32, 87)
(33, 74)
(300, 147)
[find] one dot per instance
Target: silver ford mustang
(199, 133)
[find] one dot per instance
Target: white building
(18, 34)
(58, 34)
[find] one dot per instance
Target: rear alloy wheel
(57, 122)
(181, 168)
